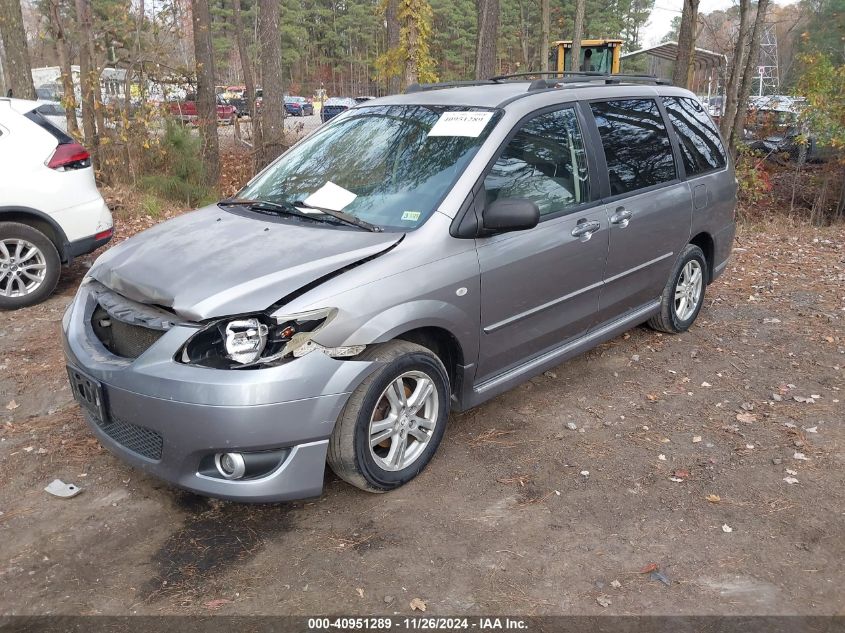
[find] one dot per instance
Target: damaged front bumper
(170, 419)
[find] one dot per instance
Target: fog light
(230, 465)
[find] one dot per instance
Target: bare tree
(748, 75)
(736, 70)
(17, 69)
(686, 44)
(206, 97)
(391, 15)
(249, 81)
(58, 33)
(544, 35)
(88, 79)
(578, 34)
(486, 40)
(272, 104)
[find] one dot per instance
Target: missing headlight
(256, 341)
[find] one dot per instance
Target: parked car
(50, 209)
(774, 127)
(186, 110)
(334, 106)
(298, 106)
(422, 254)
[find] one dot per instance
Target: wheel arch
(41, 222)
(705, 242)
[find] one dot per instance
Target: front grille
(138, 439)
(123, 339)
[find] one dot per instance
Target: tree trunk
(272, 105)
(17, 69)
(391, 15)
(488, 35)
(249, 80)
(544, 35)
(578, 35)
(89, 124)
(92, 77)
(748, 76)
(206, 97)
(69, 100)
(411, 76)
(686, 44)
(732, 88)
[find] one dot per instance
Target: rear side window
(636, 144)
(701, 149)
(544, 162)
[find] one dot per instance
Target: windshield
(395, 163)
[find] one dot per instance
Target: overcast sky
(665, 10)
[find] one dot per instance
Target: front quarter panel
(429, 280)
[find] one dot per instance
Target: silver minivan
(418, 255)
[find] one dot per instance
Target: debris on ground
(727, 528)
(659, 576)
(615, 584)
(417, 605)
(58, 488)
(790, 480)
(713, 498)
(650, 568)
(572, 426)
(603, 601)
(214, 605)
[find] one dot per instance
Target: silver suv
(419, 255)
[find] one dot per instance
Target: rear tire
(393, 422)
(29, 266)
(683, 294)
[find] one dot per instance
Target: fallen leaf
(360, 591)
(417, 605)
(12, 405)
(789, 471)
(651, 397)
(603, 601)
(681, 473)
(790, 480)
(615, 584)
(713, 498)
(650, 568)
(746, 418)
(727, 528)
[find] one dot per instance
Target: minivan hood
(214, 262)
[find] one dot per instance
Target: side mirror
(510, 214)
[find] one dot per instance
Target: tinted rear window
(39, 120)
(636, 144)
(701, 148)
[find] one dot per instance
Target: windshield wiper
(291, 209)
(343, 217)
(266, 205)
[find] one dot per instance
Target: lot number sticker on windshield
(461, 124)
(411, 216)
(331, 196)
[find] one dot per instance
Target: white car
(50, 209)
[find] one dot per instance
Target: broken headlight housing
(254, 341)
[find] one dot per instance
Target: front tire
(29, 266)
(393, 422)
(683, 294)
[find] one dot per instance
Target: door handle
(584, 230)
(621, 217)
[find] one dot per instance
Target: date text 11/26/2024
(417, 623)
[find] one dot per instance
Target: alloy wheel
(23, 267)
(403, 421)
(688, 290)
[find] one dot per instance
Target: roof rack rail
(448, 84)
(570, 76)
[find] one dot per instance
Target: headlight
(259, 340)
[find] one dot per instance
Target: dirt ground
(679, 458)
